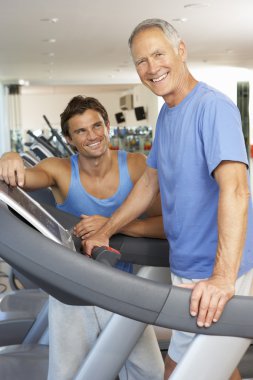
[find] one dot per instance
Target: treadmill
(141, 300)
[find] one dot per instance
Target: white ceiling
(91, 37)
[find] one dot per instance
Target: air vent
(126, 102)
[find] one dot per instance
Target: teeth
(94, 144)
(160, 78)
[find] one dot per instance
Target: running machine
(18, 310)
(67, 150)
(16, 198)
(41, 140)
(29, 159)
(39, 259)
(40, 151)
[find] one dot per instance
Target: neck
(185, 87)
(96, 166)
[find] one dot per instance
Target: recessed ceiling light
(50, 40)
(197, 5)
(53, 19)
(182, 19)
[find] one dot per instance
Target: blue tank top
(79, 201)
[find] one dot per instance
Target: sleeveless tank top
(79, 201)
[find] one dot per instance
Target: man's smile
(159, 79)
(94, 145)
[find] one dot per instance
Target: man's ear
(69, 140)
(108, 127)
(182, 51)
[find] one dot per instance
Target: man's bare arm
(151, 225)
(13, 172)
(210, 297)
(142, 195)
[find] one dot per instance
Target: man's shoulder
(136, 156)
(136, 159)
(54, 163)
(136, 165)
(209, 95)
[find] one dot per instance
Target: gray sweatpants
(74, 329)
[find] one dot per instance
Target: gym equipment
(75, 281)
(67, 151)
(29, 159)
(40, 151)
(44, 142)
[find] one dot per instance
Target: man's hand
(209, 298)
(12, 169)
(99, 240)
(89, 225)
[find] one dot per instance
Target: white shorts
(180, 340)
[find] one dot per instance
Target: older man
(199, 161)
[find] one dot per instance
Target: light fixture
(50, 40)
(23, 82)
(54, 20)
(181, 19)
(197, 5)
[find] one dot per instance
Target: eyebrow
(99, 122)
(79, 129)
(160, 51)
(139, 60)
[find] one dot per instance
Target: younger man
(91, 184)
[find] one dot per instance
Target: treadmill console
(18, 200)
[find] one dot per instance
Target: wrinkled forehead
(148, 41)
(145, 32)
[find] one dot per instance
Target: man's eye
(140, 62)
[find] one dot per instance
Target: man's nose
(153, 67)
(91, 134)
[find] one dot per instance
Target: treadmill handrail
(77, 280)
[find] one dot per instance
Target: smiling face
(160, 66)
(89, 134)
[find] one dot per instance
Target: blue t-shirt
(191, 140)
(79, 201)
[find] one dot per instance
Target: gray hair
(167, 28)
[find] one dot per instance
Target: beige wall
(51, 101)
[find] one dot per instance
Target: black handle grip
(106, 255)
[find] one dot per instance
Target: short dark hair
(78, 105)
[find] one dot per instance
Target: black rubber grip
(106, 255)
